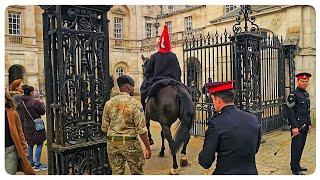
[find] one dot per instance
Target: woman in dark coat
(33, 109)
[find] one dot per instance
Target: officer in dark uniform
(299, 114)
(233, 134)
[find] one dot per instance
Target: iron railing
(257, 64)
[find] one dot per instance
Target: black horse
(170, 103)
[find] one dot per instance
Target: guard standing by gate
(299, 114)
(123, 120)
(234, 134)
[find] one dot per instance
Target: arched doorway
(16, 72)
(193, 71)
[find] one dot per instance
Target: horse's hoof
(151, 142)
(184, 161)
(161, 154)
(174, 171)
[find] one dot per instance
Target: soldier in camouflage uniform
(123, 120)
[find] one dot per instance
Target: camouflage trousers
(128, 151)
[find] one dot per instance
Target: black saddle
(163, 83)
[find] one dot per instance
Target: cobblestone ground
(267, 163)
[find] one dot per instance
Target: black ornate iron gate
(76, 47)
(258, 64)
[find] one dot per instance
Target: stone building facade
(134, 31)
(24, 45)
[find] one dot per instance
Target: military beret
(214, 87)
(303, 75)
(124, 79)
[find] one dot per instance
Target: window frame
(120, 71)
(15, 26)
(229, 8)
(188, 24)
(118, 28)
(169, 23)
(170, 8)
(148, 29)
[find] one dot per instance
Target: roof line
(223, 18)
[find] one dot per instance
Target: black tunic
(235, 136)
(299, 114)
(299, 109)
(160, 66)
(165, 65)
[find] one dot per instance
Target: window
(148, 30)
(170, 8)
(266, 34)
(14, 23)
(118, 28)
(169, 23)
(120, 71)
(230, 8)
(188, 23)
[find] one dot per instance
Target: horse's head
(145, 65)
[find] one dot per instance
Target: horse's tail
(186, 116)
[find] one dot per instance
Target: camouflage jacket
(123, 115)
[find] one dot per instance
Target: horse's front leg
(168, 136)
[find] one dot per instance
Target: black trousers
(297, 145)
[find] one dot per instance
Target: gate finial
(245, 10)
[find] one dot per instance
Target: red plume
(164, 42)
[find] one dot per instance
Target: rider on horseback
(164, 64)
(168, 100)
